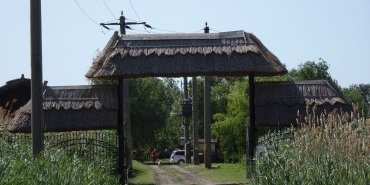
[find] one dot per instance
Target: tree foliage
(360, 96)
(154, 108)
(230, 127)
(311, 70)
(152, 102)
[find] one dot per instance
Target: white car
(177, 156)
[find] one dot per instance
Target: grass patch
(142, 174)
(221, 172)
(17, 166)
(53, 166)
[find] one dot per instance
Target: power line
(170, 31)
(84, 12)
(139, 30)
(134, 10)
(110, 11)
(215, 30)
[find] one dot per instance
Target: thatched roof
(68, 108)
(193, 54)
(277, 103)
(13, 95)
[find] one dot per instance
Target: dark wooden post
(120, 131)
(127, 126)
(36, 78)
(251, 130)
(195, 121)
(207, 118)
(207, 123)
(186, 123)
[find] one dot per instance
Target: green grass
(221, 172)
(17, 166)
(53, 166)
(142, 174)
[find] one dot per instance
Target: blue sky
(295, 31)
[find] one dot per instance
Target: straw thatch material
(13, 95)
(71, 108)
(277, 103)
(218, 54)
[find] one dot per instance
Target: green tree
(360, 96)
(154, 104)
(151, 105)
(168, 136)
(311, 70)
(230, 127)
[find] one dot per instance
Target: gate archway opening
(235, 53)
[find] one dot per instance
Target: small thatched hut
(13, 95)
(72, 108)
(282, 104)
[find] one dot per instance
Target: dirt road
(177, 175)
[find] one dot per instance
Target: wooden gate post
(207, 123)
(251, 129)
(127, 127)
(120, 132)
(186, 124)
(195, 121)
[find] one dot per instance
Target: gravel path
(174, 174)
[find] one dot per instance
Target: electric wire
(85, 13)
(170, 31)
(110, 11)
(134, 10)
(215, 30)
(139, 17)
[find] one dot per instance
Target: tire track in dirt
(177, 175)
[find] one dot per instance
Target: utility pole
(36, 78)
(195, 121)
(123, 116)
(207, 118)
(186, 114)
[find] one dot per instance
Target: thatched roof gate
(283, 104)
(235, 53)
(72, 108)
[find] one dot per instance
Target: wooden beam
(36, 78)
(195, 121)
(251, 129)
(120, 132)
(207, 123)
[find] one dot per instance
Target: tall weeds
(54, 166)
(329, 151)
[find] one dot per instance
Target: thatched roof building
(13, 95)
(235, 53)
(71, 108)
(278, 103)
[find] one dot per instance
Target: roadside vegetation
(332, 151)
(141, 174)
(53, 166)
